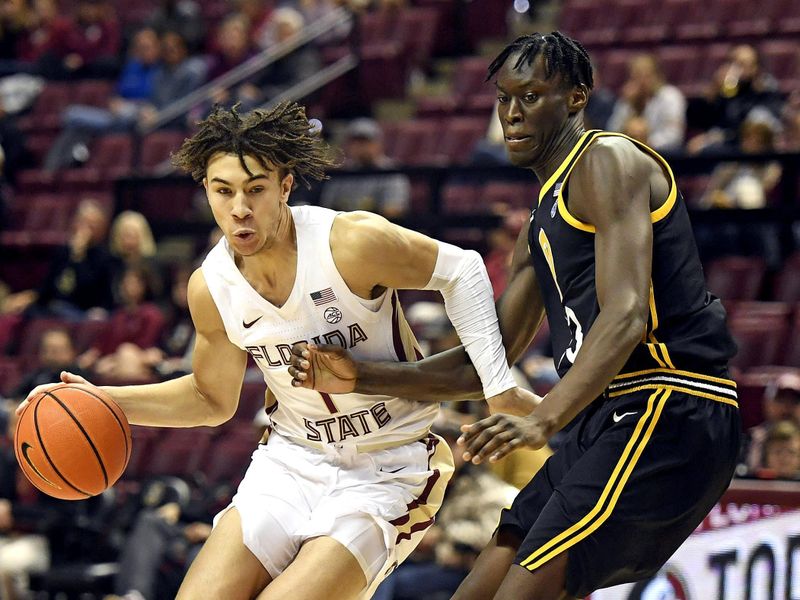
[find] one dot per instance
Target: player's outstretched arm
(208, 396)
(446, 376)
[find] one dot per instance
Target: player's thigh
(225, 568)
(322, 566)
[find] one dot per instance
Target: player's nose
(240, 209)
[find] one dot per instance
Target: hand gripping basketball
(324, 368)
(66, 377)
(72, 441)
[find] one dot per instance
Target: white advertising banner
(746, 552)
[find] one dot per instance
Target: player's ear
(205, 184)
(286, 186)
(578, 98)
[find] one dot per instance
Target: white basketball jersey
(320, 308)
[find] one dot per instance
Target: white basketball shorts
(377, 504)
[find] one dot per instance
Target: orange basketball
(73, 441)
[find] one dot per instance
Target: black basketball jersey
(686, 328)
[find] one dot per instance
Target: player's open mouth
(244, 235)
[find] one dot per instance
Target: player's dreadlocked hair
(281, 137)
(561, 55)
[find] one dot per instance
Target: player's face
(533, 110)
(249, 208)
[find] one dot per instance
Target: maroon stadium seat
(756, 310)
(157, 147)
(462, 198)
(9, 324)
(761, 340)
(46, 112)
(110, 157)
(782, 59)
(736, 277)
(228, 459)
(791, 356)
(787, 283)
(92, 92)
(458, 140)
(468, 80)
(513, 194)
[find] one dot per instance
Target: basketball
(73, 441)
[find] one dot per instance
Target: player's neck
(273, 266)
(558, 150)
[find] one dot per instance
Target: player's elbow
(628, 319)
(212, 408)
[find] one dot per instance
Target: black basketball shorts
(635, 476)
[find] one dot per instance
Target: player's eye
(531, 97)
(257, 190)
(223, 191)
(502, 99)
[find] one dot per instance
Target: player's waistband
(696, 384)
(358, 447)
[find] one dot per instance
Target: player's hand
(66, 377)
(516, 401)
(323, 368)
(494, 437)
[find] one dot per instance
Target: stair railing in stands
(260, 61)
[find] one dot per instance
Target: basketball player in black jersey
(640, 344)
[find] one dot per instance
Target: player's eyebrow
(249, 180)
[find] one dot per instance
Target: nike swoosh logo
(382, 470)
(251, 323)
(25, 447)
(617, 418)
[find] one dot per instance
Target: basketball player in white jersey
(345, 485)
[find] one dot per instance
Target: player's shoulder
(611, 155)
(357, 228)
(201, 304)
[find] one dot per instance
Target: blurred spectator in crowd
(146, 87)
(601, 104)
(132, 243)
(781, 452)
(183, 17)
(259, 16)
(84, 44)
(56, 354)
(233, 47)
(740, 85)
(491, 150)
(80, 273)
(781, 403)
(741, 184)
(464, 525)
(293, 68)
(789, 138)
(385, 194)
(136, 324)
(23, 550)
(314, 10)
(166, 537)
(27, 29)
(502, 241)
(657, 108)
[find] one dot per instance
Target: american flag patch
(323, 296)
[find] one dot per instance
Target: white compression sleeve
(461, 277)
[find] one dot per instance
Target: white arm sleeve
(461, 277)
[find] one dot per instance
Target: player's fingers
(68, 377)
(22, 406)
(39, 389)
(299, 363)
(498, 440)
(300, 349)
(477, 446)
(468, 432)
(298, 374)
(512, 444)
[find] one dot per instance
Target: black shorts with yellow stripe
(635, 476)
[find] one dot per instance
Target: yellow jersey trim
(655, 216)
(674, 388)
(554, 177)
